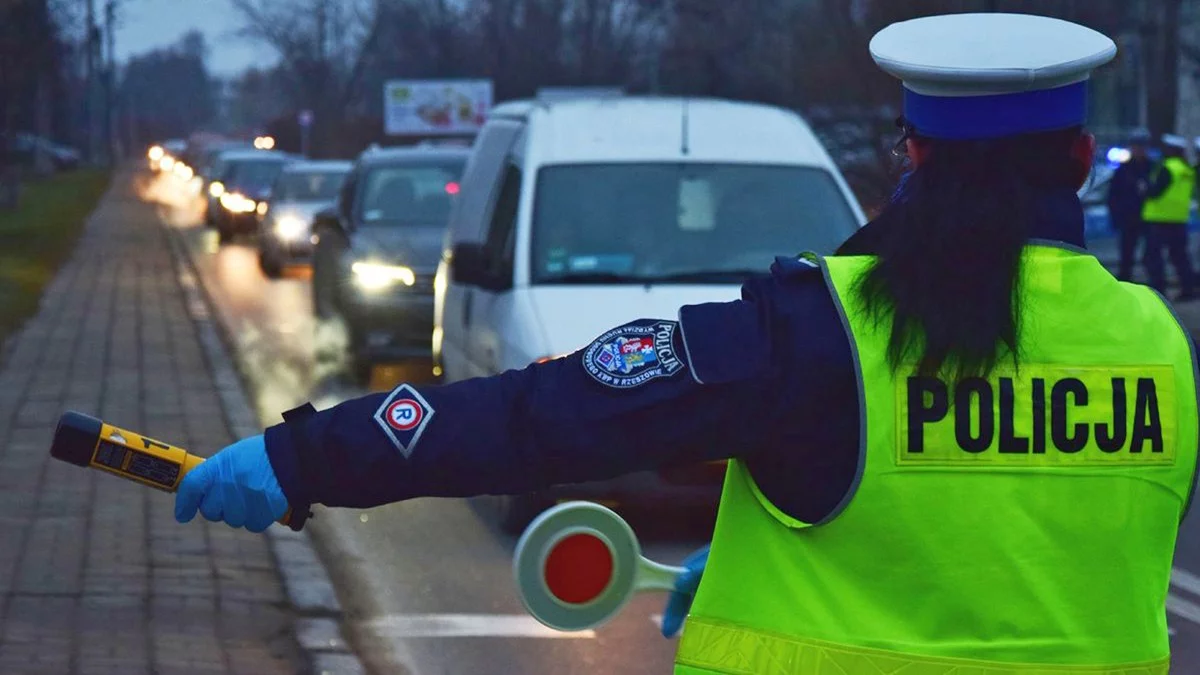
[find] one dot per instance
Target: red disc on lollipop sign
(578, 568)
(578, 564)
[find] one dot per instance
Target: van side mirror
(327, 219)
(469, 265)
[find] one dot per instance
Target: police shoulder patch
(634, 354)
(403, 416)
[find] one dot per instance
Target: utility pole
(110, 82)
(92, 94)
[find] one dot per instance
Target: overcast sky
(148, 24)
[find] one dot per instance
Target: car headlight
(291, 228)
(377, 276)
(216, 188)
(237, 203)
(155, 153)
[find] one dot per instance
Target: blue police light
(1119, 155)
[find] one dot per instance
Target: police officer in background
(1126, 197)
(1167, 210)
(900, 496)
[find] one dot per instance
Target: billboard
(435, 107)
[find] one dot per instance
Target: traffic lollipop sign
(578, 564)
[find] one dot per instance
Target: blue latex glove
(236, 485)
(685, 590)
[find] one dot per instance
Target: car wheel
(324, 280)
(360, 362)
(517, 511)
(322, 295)
(269, 264)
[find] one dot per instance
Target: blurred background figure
(1166, 212)
(1126, 198)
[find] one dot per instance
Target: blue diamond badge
(403, 416)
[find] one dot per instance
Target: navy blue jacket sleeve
(649, 394)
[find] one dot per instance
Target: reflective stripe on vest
(1174, 205)
(1021, 522)
(722, 648)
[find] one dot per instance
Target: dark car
(377, 251)
(245, 179)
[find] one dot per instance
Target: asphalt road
(427, 583)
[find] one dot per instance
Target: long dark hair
(949, 249)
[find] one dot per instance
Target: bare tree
(323, 45)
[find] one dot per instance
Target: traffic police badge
(633, 354)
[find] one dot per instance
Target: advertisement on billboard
(435, 107)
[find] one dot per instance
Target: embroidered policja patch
(403, 416)
(633, 355)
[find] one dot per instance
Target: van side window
(500, 236)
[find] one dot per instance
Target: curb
(310, 591)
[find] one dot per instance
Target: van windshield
(680, 223)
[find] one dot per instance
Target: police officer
(1126, 198)
(1167, 210)
(965, 447)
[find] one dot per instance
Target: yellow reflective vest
(1175, 204)
(1022, 523)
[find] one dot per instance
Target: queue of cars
(562, 220)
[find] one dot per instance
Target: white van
(580, 215)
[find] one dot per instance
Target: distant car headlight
(167, 163)
(216, 188)
(262, 208)
(155, 153)
(237, 203)
(291, 228)
(376, 276)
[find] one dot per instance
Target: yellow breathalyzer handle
(85, 441)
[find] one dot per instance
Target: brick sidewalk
(95, 575)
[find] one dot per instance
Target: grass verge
(37, 237)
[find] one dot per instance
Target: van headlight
(377, 276)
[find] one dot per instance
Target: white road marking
(401, 626)
(1185, 580)
(1184, 609)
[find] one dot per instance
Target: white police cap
(978, 76)
(1174, 141)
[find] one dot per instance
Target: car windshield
(680, 223)
(309, 186)
(412, 194)
(253, 174)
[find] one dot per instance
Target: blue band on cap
(963, 118)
